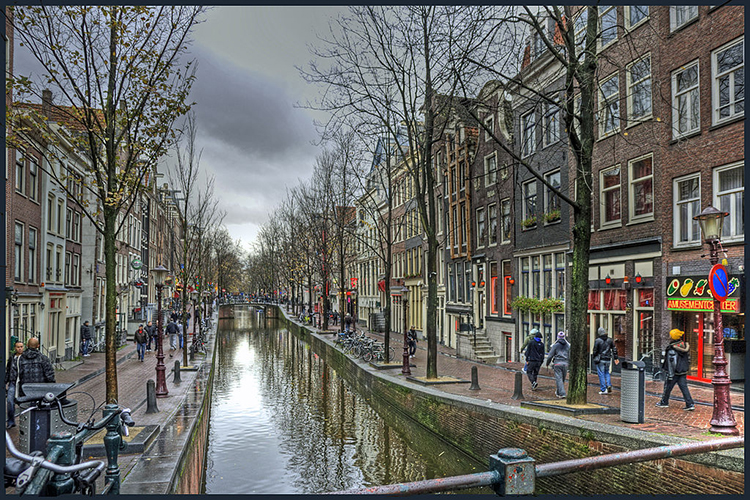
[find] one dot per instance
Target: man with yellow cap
(676, 365)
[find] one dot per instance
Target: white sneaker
(603, 392)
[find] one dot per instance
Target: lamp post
(711, 221)
(196, 324)
(405, 301)
(159, 274)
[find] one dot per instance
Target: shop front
(691, 305)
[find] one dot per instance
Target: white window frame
(605, 106)
(481, 220)
(33, 190)
(33, 269)
(18, 246)
(548, 194)
(628, 12)
(504, 202)
(489, 122)
(630, 85)
(738, 205)
(603, 223)
(606, 10)
(524, 196)
(715, 87)
(673, 11)
(676, 212)
(631, 190)
(490, 176)
(551, 123)
(492, 207)
(689, 93)
(528, 142)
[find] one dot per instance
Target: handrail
(510, 462)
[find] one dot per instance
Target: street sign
(718, 282)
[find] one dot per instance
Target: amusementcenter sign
(691, 293)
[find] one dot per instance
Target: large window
(728, 70)
(60, 217)
(48, 262)
(20, 174)
(686, 100)
(635, 14)
(33, 180)
(481, 228)
(494, 295)
(607, 25)
(639, 89)
(609, 106)
(528, 124)
(641, 188)
(489, 122)
(560, 275)
(506, 220)
(687, 205)
(729, 182)
(610, 196)
(492, 216)
(680, 15)
(529, 204)
(551, 123)
(490, 169)
(507, 288)
(18, 253)
(32, 255)
(463, 227)
(551, 200)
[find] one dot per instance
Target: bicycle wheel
(367, 356)
(391, 353)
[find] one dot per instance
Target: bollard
(518, 390)
(474, 380)
(177, 378)
(151, 397)
(517, 471)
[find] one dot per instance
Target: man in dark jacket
(32, 367)
(172, 331)
(676, 364)
(411, 339)
(86, 337)
(151, 335)
(558, 355)
(534, 357)
(604, 352)
(140, 342)
(11, 383)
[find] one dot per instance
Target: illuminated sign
(706, 305)
(692, 293)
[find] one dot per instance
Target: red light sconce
(608, 280)
(638, 278)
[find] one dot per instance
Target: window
(494, 295)
(463, 227)
(77, 226)
(728, 89)
(20, 174)
(576, 114)
(489, 122)
(481, 227)
(490, 169)
(641, 189)
(551, 122)
(610, 196)
(535, 277)
(68, 223)
(68, 256)
(560, 275)
(33, 179)
(525, 288)
(547, 283)
(59, 217)
(507, 288)
(580, 29)
(529, 204)
(506, 221)
(492, 216)
(538, 44)
(639, 89)
(18, 253)
(48, 263)
(635, 15)
(505, 172)
(729, 185)
(32, 255)
(454, 236)
(609, 106)
(687, 206)
(607, 25)
(58, 264)
(528, 124)
(680, 15)
(551, 200)
(75, 276)
(686, 100)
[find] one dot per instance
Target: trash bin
(632, 391)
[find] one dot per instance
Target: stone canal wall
(481, 428)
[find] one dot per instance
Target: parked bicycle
(62, 470)
(653, 360)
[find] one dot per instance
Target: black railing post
(112, 444)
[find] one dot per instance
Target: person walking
(534, 358)
(411, 341)
(32, 367)
(604, 351)
(140, 342)
(151, 335)
(347, 322)
(676, 365)
(86, 337)
(534, 332)
(172, 331)
(558, 355)
(11, 383)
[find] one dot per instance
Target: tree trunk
(110, 328)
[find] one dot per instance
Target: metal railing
(512, 472)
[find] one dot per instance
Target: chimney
(47, 102)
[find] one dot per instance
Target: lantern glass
(711, 221)
(159, 274)
(405, 293)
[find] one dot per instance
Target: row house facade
(669, 142)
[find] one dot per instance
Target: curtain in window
(593, 300)
(615, 300)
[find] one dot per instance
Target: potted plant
(552, 216)
(530, 222)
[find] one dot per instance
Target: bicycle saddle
(37, 391)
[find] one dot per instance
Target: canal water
(283, 421)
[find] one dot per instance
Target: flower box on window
(552, 216)
(530, 222)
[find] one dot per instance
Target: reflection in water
(282, 421)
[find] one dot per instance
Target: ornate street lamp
(711, 221)
(405, 301)
(160, 273)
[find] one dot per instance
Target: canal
(282, 421)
